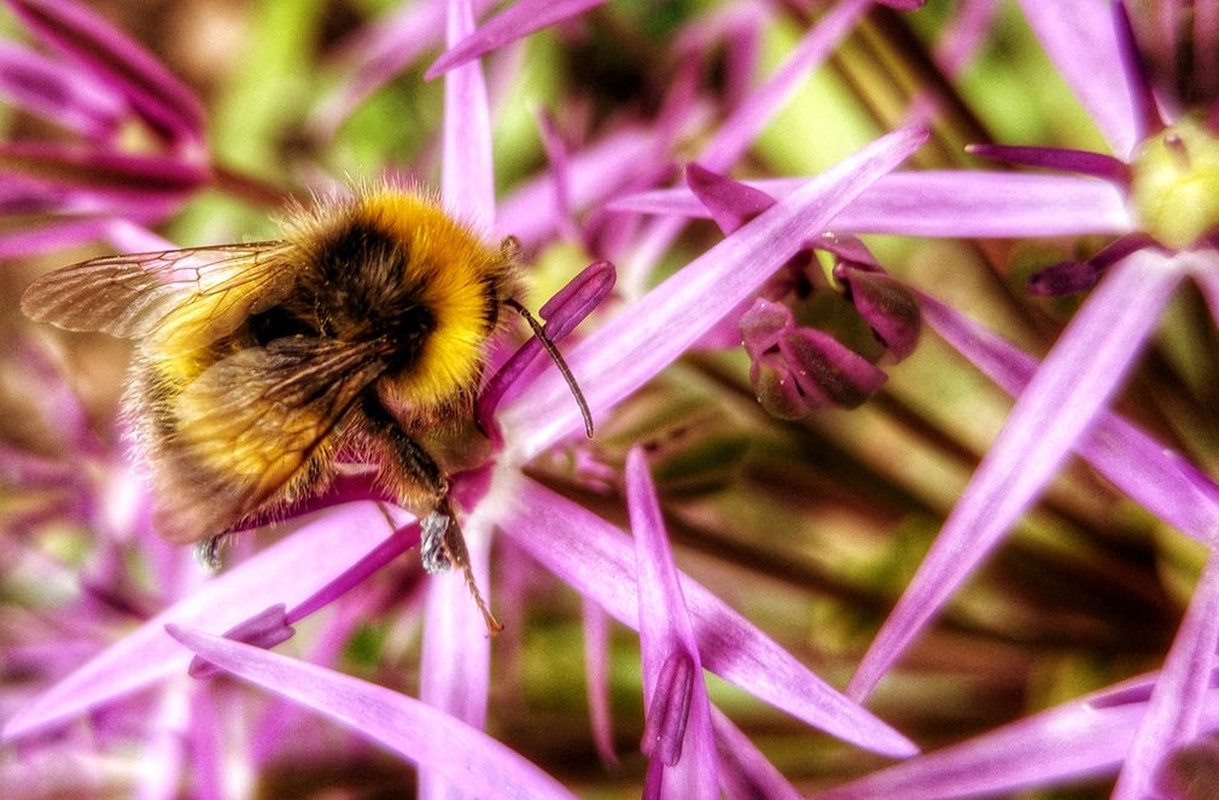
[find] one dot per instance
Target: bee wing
(201, 292)
(255, 428)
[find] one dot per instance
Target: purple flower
(99, 85)
(331, 565)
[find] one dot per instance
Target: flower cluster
(912, 448)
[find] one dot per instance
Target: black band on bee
(415, 462)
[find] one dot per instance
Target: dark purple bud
(1067, 277)
(825, 368)
(763, 324)
(849, 250)
(264, 630)
(664, 726)
(1070, 277)
(887, 306)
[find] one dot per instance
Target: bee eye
(278, 323)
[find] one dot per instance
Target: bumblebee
(362, 329)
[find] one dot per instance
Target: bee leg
(442, 545)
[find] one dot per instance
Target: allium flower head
(798, 493)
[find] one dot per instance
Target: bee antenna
(552, 350)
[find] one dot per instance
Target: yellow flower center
(1175, 183)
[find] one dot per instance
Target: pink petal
(665, 629)
(1158, 478)
(954, 204)
(462, 755)
(1080, 39)
(468, 175)
(515, 22)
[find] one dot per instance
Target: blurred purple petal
(648, 334)
(557, 153)
(1080, 39)
(677, 726)
(112, 176)
(952, 204)
(463, 755)
(596, 678)
(594, 173)
(375, 53)
(515, 22)
(598, 560)
(286, 572)
(159, 96)
(58, 93)
(1069, 390)
(1176, 705)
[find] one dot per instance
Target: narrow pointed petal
(1176, 704)
(1076, 740)
(464, 756)
(515, 22)
(468, 176)
(744, 771)
(1055, 410)
(649, 334)
(596, 678)
(598, 559)
(456, 648)
(283, 573)
(1080, 39)
(948, 204)
(665, 633)
(153, 90)
(1162, 481)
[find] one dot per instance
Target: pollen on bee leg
(209, 553)
(442, 546)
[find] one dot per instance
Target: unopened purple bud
(887, 306)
